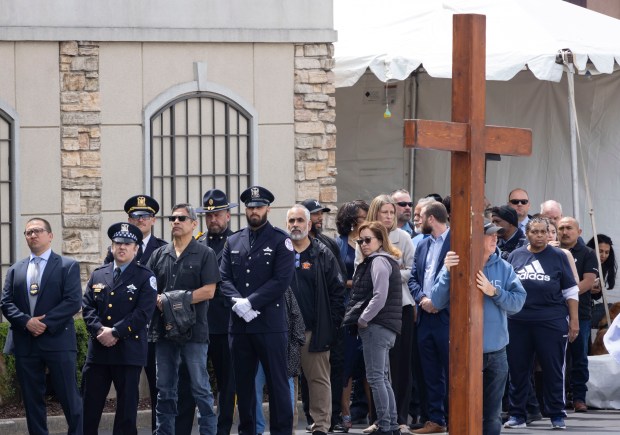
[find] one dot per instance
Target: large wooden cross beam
(469, 139)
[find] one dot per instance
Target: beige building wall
(607, 7)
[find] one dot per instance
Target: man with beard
(417, 221)
(403, 211)
(433, 324)
(336, 355)
(257, 267)
(319, 290)
(216, 209)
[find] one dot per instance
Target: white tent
(380, 45)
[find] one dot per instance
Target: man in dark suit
(141, 211)
(433, 325)
(41, 295)
(257, 267)
(216, 208)
(118, 303)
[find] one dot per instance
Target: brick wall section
(315, 129)
(80, 131)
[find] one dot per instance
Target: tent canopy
(395, 38)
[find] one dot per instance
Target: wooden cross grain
(469, 139)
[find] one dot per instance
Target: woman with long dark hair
(610, 268)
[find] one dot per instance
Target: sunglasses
(405, 204)
(519, 201)
(364, 240)
(179, 218)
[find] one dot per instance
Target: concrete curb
(57, 424)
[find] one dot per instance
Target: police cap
(256, 196)
(141, 205)
(215, 200)
(314, 206)
(124, 232)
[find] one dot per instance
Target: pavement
(592, 422)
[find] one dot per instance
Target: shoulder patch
(288, 244)
(153, 282)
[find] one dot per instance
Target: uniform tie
(117, 274)
(140, 252)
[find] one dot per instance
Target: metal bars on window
(7, 243)
(199, 141)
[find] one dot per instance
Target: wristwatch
(496, 292)
(115, 333)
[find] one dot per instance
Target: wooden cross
(469, 139)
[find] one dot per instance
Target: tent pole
(412, 113)
(573, 156)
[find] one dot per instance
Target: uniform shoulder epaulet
(102, 266)
(142, 266)
(280, 230)
(161, 241)
(235, 232)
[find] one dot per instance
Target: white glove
(242, 306)
(250, 315)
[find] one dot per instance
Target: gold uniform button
(109, 317)
(110, 305)
(111, 293)
(137, 336)
(131, 299)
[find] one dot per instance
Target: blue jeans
(579, 373)
(260, 384)
(168, 356)
(494, 377)
(376, 343)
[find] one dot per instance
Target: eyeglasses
(297, 260)
(35, 232)
(364, 240)
(140, 217)
(519, 201)
(405, 204)
(179, 218)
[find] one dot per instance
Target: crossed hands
(105, 337)
(243, 309)
(35, 326)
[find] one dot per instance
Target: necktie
(140, 252)
(34, 278)
(117, 274)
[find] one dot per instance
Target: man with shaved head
(520, 201)
(587, 265)
(552, 210)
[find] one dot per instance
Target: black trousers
(96, 381)
(270, 349)
(151, 376)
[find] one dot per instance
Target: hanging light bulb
(387, 114)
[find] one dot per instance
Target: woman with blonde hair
(375, 311)
(383, 209)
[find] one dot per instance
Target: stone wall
(315, 129)
(80, 127)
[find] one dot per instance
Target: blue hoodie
(510, 299)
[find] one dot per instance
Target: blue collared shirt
(123, 267)
(432, 259)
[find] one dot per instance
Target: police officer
(118, 303)
(257, 267)
(141, 211)
(217, 218)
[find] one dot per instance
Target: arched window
(7, 163)
(199, 141)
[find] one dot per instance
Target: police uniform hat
(490, 228)
(314, 206)
(141, 205)
(124, 232)
(215, 200)
(256, 196)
